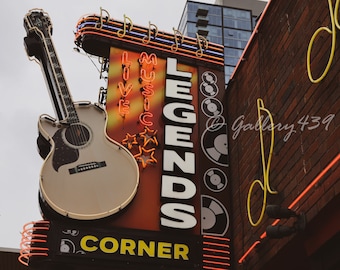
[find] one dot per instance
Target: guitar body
(86, 175)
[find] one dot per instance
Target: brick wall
(274, 69)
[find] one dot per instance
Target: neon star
(146, 156)
(149, 136)
(129, 140)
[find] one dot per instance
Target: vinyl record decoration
(215, 218)
(214, 144)
(215, 179)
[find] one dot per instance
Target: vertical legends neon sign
(178, 214)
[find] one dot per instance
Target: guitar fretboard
(65, 103)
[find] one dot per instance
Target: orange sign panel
(152, 105)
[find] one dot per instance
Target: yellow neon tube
(332, 31)
(265, 186)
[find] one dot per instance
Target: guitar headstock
(38, 22)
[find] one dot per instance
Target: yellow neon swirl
(202, 43)
(101, 17)
(265, 186)
(334, 23)
(147, 38)
(177, 36)
(122, 32)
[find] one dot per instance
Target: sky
(24, 95)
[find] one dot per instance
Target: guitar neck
(59, 86)
(36, 26)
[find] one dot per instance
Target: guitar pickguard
(63, 154)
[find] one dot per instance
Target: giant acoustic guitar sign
(85, 175)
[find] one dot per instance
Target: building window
(231, 56)
(202, 22)
(212, 33)
(228, 70)
(235, 18)
(237, 14)
(209, 12)
(236, 38)
(202, 12)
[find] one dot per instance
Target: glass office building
(227, 22)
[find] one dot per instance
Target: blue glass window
(231, 56)
(235, 18)
(236, 38)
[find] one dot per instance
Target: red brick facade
(306, 118)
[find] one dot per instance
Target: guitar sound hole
(77, 135)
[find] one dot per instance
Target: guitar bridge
(87, 167)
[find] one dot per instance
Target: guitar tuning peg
(102, 96)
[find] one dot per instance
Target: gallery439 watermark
(306, 122)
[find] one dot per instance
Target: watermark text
(306, 122)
